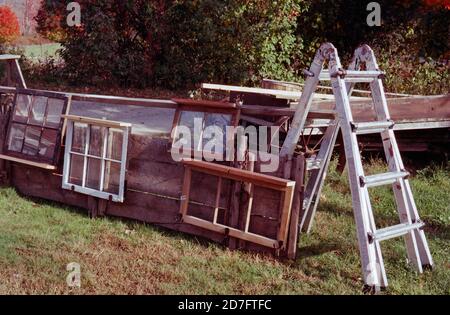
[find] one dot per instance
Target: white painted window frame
(126, 129)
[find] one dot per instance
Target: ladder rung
(395, 231)
(371, 127)
(382, 179)
(313, 164)
(352, 75)
(324, 75)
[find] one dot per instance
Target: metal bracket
(361, 181)
(340, 73)
(370, 237)
(382, 75)
(308, 73)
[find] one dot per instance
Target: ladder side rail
(304, 105)
(416, 244)
(379, 263)
(363, 223)
(317, 179)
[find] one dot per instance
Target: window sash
(100, 193)
(43, 127)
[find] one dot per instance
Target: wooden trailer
(112, 156)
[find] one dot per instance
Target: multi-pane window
(36, 125)
(95, 157)
(197, 116)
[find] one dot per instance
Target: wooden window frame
(208, 108)
(126, 129)
(37, 161)
(286, 187)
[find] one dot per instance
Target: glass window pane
(76, 170)
(48, 143)
(79, 137)
(16, 136)
(31, 144)
(115, 140)
(23, 103)
(215, 127)
(96, 140)
(188, 122)
(54, 111)
(37, 112)
(112, 177)
(93, 173)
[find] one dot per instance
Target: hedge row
(174, 43)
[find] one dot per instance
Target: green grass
(38, 239)
(39, 52)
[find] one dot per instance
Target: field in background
(38, 239)
(40, 52)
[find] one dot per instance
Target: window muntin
(36, 125)
(209, 114)
(95, 157)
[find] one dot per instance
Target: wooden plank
(9, 57)
(186, 191)
(298, 173)
(279, 94)
(230, 88)
(246, 204)
(241, 175)
(257, 110)
(257, 121)
(234, 215)
(98, 122)
(204, 103)
(92, 206)
(294, 86)
(217, 203)
(60, 96)
(20, 79)
(288, 195)
(401, 109)
(107, 99)
(30, 163)
(223, 229)
(249, 206)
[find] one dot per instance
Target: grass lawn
(39, 52)
(38, 239)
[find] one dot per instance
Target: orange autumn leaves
(9, 25)
(438, 3)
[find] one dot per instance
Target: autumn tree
(9, 25)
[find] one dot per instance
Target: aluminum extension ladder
(369, 236)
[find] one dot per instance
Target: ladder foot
(369, 289)
(372, 289)
(427, 267)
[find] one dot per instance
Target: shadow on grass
(316, 250)
(433, 229)
(129, 222)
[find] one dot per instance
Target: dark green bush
(174, 43)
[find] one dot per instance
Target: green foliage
(414, 64)
(174, 43)
(177, 43)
